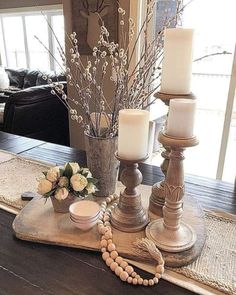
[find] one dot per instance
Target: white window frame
(48, 11)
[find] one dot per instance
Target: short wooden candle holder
(157, 198)
(170, 233)
(129, 215)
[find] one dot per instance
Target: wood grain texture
(68, 271)
(38, 222)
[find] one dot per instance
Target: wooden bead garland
(110, 255)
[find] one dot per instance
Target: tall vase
(102, 163)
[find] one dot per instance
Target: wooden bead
(160, 269)
(109, 241)
(118, 270)
(107, 223)
(114, 254)
(103, 230)
(145, 282)
(140, 281)
(106, 218)
(157, 275)
(112, 198)
(124, 264)
(113, 266)
(103, 243)
(129, 269)
(105, 255)
(109, 261)
(103, 249)
(150, 282)
(155, 280)
(135, 281)
(111, 247)
(108, 235)
(119, 260)
(129, 280)
(137, 277)
(134, 274)
(108, 200)
(124, 276)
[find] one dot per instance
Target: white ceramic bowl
(84, 214)
(84, 226)
(84, 209)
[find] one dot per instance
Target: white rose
(53, 174)
(78, 182)
(44, 186)
(74, 166)
(61, 194)
(86, 170)
(63, 181)
(90, 188)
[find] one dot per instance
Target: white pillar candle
(133, 134)
(180, 121)
(177, 62)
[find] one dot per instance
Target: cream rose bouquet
(70, 179)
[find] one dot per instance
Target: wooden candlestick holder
(157, 198)
(129, 215)
(170, 233)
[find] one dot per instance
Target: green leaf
(93, 180)
(49, 194)
(68, 171)
(61, 171)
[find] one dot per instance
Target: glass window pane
(210, 79)
(58, 28)
(36, 25)
(14, 38)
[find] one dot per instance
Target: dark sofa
(33, 111)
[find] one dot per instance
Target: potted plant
(132, 84)
(65, 184)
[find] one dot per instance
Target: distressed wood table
(28, 268)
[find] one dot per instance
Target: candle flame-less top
(133, 134)
(180, 121)
(177, 62)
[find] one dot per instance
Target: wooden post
(170, 233)
(129, 215)
(157, 198)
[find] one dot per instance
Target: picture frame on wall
(88, 16)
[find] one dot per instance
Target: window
(214, 25)
(20, 49)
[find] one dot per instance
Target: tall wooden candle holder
(157, 198)
(129, 215)
(170, 233)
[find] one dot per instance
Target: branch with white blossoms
(60, 182)
(132, 87)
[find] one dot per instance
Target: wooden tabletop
(28, 268)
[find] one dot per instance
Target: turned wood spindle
(129, 215)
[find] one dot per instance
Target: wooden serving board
(38, 222)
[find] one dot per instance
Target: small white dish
(84, 209)
(84, 214)
(84, 226)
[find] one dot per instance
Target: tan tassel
(147, 245)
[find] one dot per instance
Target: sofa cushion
(16, 77)
(30, 79)
(51, 75)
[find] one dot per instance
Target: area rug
(18, 175)
(214, 272)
